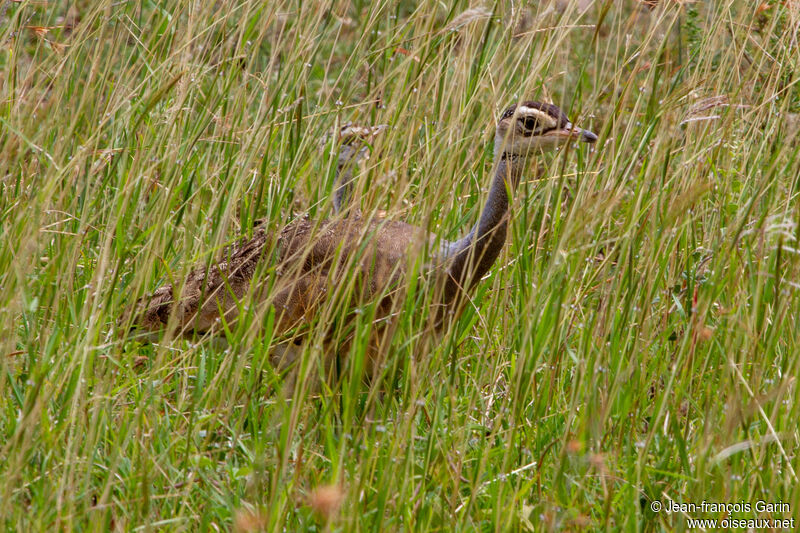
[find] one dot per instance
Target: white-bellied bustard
(297, 269)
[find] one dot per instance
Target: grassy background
(637, 340)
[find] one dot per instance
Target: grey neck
(471, 257)
(346, 164)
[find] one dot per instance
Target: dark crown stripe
(552, 110)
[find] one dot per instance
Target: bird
(350, 260)
(355, 143)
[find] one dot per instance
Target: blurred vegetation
(637, 341)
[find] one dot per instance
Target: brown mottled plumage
(305, 264)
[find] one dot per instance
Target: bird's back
(296, 270)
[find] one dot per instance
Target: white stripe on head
(544, 119)
(352, 131)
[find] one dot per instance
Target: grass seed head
(326, 500)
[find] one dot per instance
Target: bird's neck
(471, 257)
(345, 167)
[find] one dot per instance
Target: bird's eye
(530, 123)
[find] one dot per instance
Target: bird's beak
(572, 132)
(587, 136)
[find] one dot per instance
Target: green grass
(636, 341)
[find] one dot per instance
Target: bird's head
(356, 141)
(530, 127)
